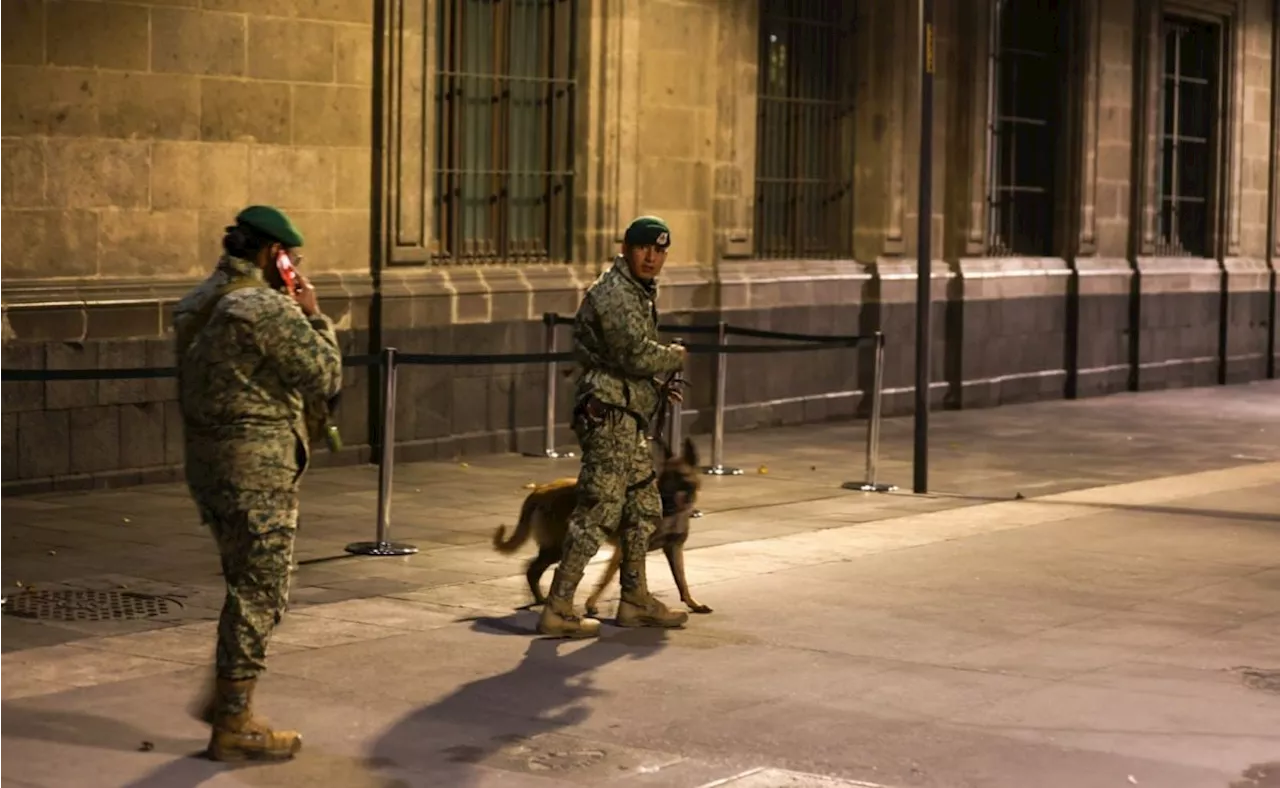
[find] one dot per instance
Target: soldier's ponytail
(243, 242)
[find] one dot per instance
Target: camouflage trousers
(255, 535)
(613, 496)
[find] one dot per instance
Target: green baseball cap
(272, 223)
(647, 230)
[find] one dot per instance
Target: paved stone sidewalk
(1122, 635)
(146, 540)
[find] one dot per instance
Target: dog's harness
(668, 503)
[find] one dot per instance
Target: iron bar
(924, 267)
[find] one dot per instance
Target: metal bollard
(717, 467)
(549, 424)
(386, 468)
(873, 426)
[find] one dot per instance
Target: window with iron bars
(804, 173)
(1188, 111)
(504, 158)
(1030, 44)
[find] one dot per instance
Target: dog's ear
(690, 453)
(663, 449)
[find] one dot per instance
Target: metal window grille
(1188, 108)
(505, 97)
(1029, 46)
(804, 173)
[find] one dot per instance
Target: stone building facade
(1105, 205)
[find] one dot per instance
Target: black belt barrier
(390, 359)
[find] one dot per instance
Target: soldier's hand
(306, 297)
(683, 353)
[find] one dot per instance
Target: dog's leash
(674, 382)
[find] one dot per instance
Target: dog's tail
(521, 533)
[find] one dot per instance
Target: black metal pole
(924, 254)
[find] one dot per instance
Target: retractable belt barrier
(390, 359)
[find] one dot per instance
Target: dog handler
(251, 353)
(615, 339)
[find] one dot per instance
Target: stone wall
(132, 132)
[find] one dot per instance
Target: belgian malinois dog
(546, 512)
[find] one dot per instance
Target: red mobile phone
(288, 274)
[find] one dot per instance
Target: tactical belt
(593, 409)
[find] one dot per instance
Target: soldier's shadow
(491, 720)
(446, 743)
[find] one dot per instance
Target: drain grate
(85, 605)
(551, 754)
(564, 760)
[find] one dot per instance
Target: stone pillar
(1249, 289)
(1103, 312)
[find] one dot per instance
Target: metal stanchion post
(873, 426)
(549, 425)
(386, 468)
(717, 467)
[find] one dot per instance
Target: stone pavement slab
(1059, 641)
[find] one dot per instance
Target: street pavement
(1089, 596)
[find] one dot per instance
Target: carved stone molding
(1090, 54)
(405, 35)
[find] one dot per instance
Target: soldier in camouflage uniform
(250, 355)
(615, 337)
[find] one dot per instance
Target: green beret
(272, 223)
(648, 230)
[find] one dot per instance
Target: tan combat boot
(638, 607)
(240, 736)
(558, 616)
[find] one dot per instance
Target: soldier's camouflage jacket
(244, 380)
(615, 339)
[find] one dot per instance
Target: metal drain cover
(86, 605)
(567, 758)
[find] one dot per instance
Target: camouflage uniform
(246, 367)
(615, 338)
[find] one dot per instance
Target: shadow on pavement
(485, 723)
(1262, 775)
(448, 742)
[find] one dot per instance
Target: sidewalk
(1119, 627)
(1118, 636)
(147, 540)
